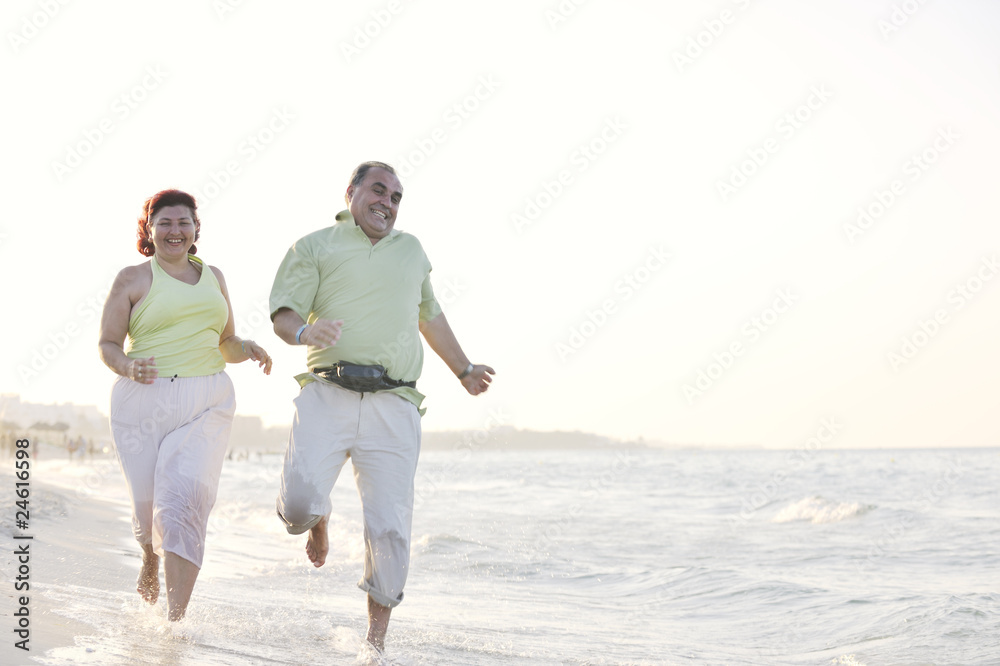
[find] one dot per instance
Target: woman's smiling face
(173, 231)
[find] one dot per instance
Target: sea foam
(819, 510)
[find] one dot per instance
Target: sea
(622, 555)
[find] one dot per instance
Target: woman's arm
(235, 350)
(114, 328)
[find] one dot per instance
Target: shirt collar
(344, 217)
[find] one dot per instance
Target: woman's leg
(138, 418)
(148, 584)
(188, 468)
(181, 576)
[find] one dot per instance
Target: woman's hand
(255, 352)
(142, 370)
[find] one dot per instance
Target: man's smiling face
(375, 202)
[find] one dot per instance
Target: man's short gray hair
(361, 170)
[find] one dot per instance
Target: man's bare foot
(369, 655)
(318, 544)
(376, 643)
(148, 583)
(378, 622)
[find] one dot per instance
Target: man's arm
(442, 340)
(321, 333)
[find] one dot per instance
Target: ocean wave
(819, 510)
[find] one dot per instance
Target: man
(357, 293)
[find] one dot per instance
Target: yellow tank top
(180, 324)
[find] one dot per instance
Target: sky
(731, 223)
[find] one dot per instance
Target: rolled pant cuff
(291, 528)
(378, 597)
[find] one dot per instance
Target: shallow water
(610, 557)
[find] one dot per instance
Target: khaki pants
(380, 432)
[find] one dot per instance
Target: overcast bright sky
(643, 215)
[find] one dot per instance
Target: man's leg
(385, 463)
(318, 543)
(323, 430)
(378, 622)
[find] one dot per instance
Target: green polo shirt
(381, 292)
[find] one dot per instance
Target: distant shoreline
(251, 436)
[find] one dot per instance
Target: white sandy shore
(79, 538)
(84, 562)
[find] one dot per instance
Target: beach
(630, 556)
(73, 542)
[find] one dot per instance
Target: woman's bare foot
(318, 544)
(148, 583)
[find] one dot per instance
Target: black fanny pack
(360, 378)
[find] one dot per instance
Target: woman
(172, 408)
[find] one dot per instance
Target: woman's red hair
(153, 204)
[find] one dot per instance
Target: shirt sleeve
(296, 283)
(429, 307)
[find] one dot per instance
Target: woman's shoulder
(134, 281)
(139, 273)
(219, 279)
(217, 272)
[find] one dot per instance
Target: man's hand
(322, 333)
(478, 380)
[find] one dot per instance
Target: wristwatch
(465, 373)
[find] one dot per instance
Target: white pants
(380, 432)
(171, 438)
